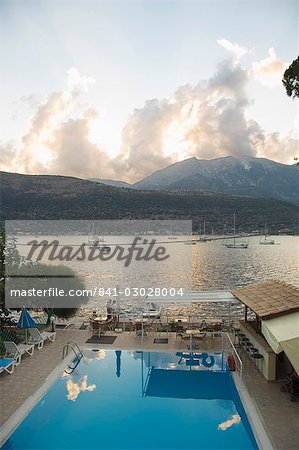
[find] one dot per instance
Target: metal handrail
(236, 354)
(78, 355)
(74, 346)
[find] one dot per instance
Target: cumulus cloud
(235, 420)
(209, 118)
(142, 150)
(277, 147)
(56, 142)
(221, 127)
(269, 71)
(236, 50)
(206, 120)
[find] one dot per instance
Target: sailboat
(203, 237)
(95, 240)
(267, 241)
(236, 244)
(172, 237)
(92, 238)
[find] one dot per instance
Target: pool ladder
(72, 345)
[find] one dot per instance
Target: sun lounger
(7, 365)
(38, 338)
(196, 341)
(16, 351)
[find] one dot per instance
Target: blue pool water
(139, 400)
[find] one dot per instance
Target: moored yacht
(235, 243)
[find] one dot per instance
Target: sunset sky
(119, 89)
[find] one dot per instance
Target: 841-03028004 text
(140, 292)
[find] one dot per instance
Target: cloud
(142, 149)
(235, 420)
(57, 142)
(269, 71)
(9, 157)
(277, 147)
(77, 83)
(236, 50)
(206, 120)
(72, 153)
(221, 127)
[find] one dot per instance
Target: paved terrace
(280, 416)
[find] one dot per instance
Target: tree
(291, 79)
(7, 248)
(59, 277)
(9, 253)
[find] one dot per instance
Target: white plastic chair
(7, 365)
(16, 351)
(38, 338)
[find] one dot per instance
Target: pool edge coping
(262, 436)
(259, 429)
(22, 412)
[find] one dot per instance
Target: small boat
(235, 244)
(267, 241)
(190, 242)
(171, 236)
(203, 237)
(94, 239)
(104, 248)
(152, 312)
(98, 243)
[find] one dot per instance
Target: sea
(205, 266)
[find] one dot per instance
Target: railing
(230, 349)
(72, 345)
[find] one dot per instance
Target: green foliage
(8, 248)
(2, 269)
(2, 348)
(8, 251)
(291, 79)
(50, 200)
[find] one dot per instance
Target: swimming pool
(139, 400)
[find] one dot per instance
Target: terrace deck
(280, 416)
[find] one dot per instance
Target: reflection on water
(118, 363)
(74, 388)
(90, 354)
(181, 361)
(235, 419)
(213, 267)
(218, 267)
(147, 407)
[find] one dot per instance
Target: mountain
(247, 176)
(41, 197)
(107, 181)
